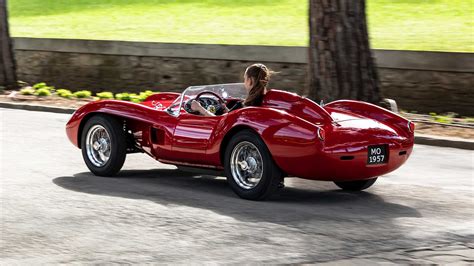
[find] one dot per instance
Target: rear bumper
(351, 164)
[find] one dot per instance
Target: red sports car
(348, 142)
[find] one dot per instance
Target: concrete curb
(40, 108)
(431, 140)
(419, 138)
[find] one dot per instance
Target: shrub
(82, 94)
(123, 96)
(135, 98)
(443, 119)
(145, 94)
(43, 92)
(39, 85)
(27, 91)
(148, 92)
(105, 95)
(64, 93)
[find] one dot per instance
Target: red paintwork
(286, 122)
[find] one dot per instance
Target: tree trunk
(7, 61)
(340, 60)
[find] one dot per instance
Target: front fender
(112, 107)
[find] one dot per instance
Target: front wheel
(103, 145)
(249, 167)
(356, 185)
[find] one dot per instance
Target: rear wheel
(103, 145)
(356, 185)
(249, 167)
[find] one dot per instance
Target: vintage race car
(348, 142)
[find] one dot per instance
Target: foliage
(105, 95)
(446, 118)
(133, 97)
(39, 85)
(43, 92)
(82, 94)
(64, 93)
(27, 91)
(438, 25)
(123, 96)
(43, 85)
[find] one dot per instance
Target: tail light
(411, 126)
(321, 134)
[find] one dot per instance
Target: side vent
(157, 136)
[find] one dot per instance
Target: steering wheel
(205, 103)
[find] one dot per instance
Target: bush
(105, 95)
(27, 91)
(443, 119)
(133, 97)
(39, 85)
(43, 85)
(145, 94)
(43, 92)
(82, 94)
(64, 93)
(123, 96)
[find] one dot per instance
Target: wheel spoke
(99, 146)
(246, 165)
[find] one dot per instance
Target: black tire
(356, 185)
(271, 174)
(118, 145)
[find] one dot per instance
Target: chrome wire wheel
(246, 165)
(98, 145)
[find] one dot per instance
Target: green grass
(436, 25)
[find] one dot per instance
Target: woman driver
(256, 78)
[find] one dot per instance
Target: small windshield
(226, 91)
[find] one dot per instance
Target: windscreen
(226, 91)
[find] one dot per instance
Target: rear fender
(288, 138)
(368, 110)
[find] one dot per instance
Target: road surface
(54, 211)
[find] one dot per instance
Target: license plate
(377, 154)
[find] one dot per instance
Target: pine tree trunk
(340, 60)
(7, 61)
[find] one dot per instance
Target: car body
(343, 141)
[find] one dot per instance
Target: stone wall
(421, 81)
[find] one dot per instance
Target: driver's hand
(196, 106)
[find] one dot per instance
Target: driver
(256, 78)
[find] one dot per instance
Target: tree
(340, 60)
(7, 61)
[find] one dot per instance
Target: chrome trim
(246, 165)
(319, 134)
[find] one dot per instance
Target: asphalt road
(54, 211)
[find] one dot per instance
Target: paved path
(54, 211)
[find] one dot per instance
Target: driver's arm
(196, 106)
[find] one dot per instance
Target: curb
(430, 140)
(449, 142)
(40, 108)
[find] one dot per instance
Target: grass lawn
(436, 25)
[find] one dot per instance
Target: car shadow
(293, 203)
